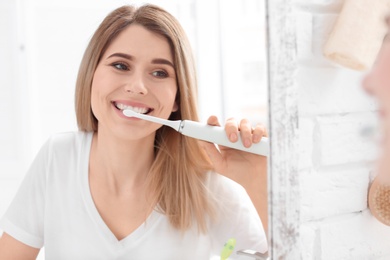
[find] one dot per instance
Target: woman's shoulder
(67, 143)
(224, 188)
(69, 139)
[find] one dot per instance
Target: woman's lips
(382, 113)
(138, 109)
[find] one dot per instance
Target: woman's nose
(367, 83)
(136, 85)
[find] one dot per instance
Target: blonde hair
(177, 176)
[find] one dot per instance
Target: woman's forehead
(136, 38)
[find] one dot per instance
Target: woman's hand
(247, 169)
(242, 167)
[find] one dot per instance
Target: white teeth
(141, 110)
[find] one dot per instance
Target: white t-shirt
(54, 208)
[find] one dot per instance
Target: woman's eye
(387, 37)
(160, 74)
(120, 66)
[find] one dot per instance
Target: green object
(228, 248)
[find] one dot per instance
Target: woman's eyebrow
(387, 20)
(121, 55)
(163, 61)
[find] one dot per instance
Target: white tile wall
(336, 162)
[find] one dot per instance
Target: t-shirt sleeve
(24, 218)
(237, 219)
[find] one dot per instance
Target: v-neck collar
(134, 237)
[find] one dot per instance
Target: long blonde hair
(177, 176)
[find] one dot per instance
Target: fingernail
(247, 142)
(256, 138)
(233, 137)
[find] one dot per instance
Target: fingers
(243, 129)
(258, 132)
(213, 120)
(231, 129)
(246, 132)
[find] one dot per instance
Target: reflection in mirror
(46, 41)
(321, 166)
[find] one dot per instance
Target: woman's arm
(247, 169)
(10, 248)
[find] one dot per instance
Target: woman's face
(377, 82)
(136, 72)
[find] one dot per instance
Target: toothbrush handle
(217, 134)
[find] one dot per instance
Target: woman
(377, 83)
(123, 188)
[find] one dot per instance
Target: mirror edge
(283, 203)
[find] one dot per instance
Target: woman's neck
(121, 164)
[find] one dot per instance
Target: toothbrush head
(228, 248)
(129, 113)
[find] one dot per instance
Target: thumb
(213, 153)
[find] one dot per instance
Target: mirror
(43, 42)
(321, 165)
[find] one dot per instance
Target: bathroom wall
(336, 158)
(14, 122)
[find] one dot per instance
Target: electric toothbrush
(228, 248)
(214, 134)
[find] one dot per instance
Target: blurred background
(42, 42)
